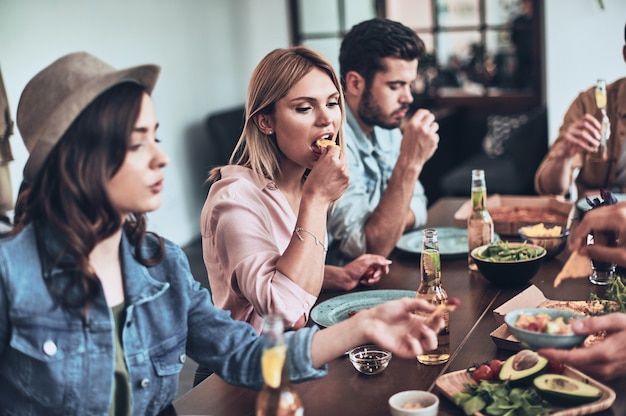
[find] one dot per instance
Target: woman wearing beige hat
(97, 315)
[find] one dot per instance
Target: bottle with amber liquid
(431, 290)
(277, 397)
(605, 131)
(479, 223)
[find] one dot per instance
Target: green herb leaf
(499, 399)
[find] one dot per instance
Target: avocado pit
(525, 360)
(520, 369)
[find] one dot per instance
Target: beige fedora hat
(53, 99)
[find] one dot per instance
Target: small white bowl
(428, 401)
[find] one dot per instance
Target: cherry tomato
(483, 372)
(555, 367)
(495, 366)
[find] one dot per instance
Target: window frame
(505, 100)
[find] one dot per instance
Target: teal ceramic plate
(452, 242)
(583, 206)
(337, 309)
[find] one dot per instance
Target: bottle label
(272, 362)
(431, 266)
(478, 199)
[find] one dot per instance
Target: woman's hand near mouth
(329, 176)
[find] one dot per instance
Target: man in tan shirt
(579, 137)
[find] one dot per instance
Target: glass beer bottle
(277, 397)
(605, 131)
(479, 223)
(431, 290)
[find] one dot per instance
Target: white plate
(337, 309)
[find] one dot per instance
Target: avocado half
(562, 390)
(520, 369)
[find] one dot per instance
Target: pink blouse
(247, 224)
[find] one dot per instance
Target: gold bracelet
(317, 240)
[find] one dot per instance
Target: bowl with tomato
(544, 328)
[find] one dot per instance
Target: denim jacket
(53, 364)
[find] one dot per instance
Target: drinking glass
(603, 272)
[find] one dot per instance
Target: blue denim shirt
(370, 163)
(53, 364)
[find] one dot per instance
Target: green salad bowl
(508, 272)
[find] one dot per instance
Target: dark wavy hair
(68, 199)
(367, 43)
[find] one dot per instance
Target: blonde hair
(271, 80)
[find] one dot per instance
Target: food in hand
(322, 143)
(450, 305)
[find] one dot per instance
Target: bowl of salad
(507, 264)
(544, 328)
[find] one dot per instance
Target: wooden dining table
(344, 391)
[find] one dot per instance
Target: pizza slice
(576, 266)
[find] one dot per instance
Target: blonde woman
(264, 220)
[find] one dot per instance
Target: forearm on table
(332, 274)
(335, 340)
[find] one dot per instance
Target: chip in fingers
(321, 143)
(449, 306)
